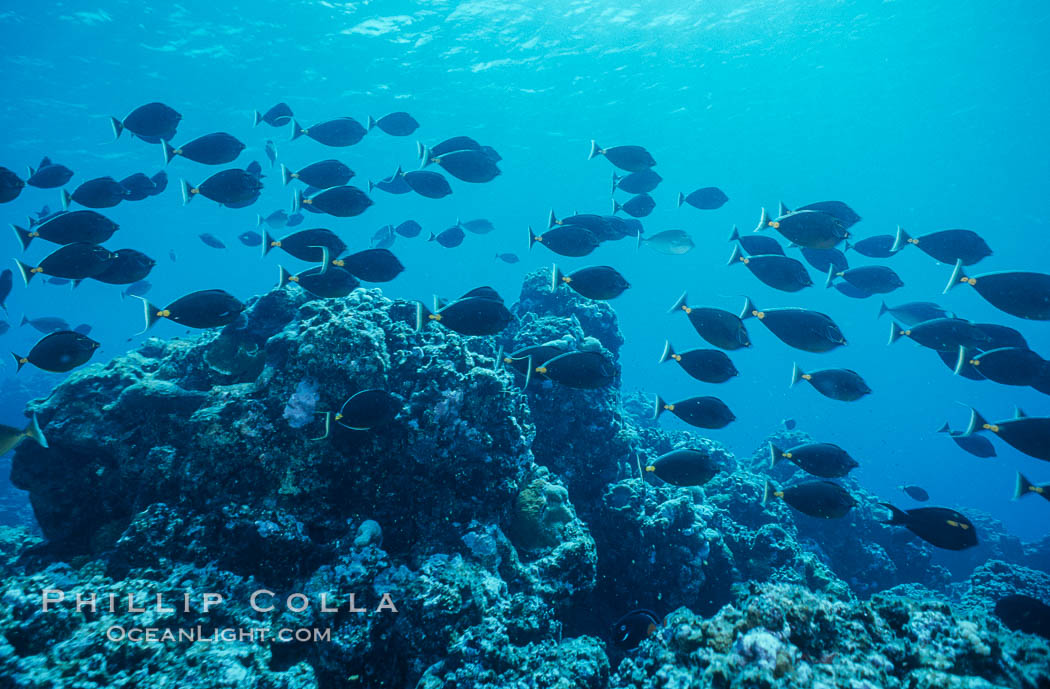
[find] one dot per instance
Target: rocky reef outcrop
(508, 527)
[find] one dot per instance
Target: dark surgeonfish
(274, 220)
(813, 229)
(593, 282)
(846, 215)
(211, 240)
(1001, 336)
(622, 227)
(878, 246)
(211, 308)
(49, 175)
(233, 187)
(756, 244)
(633, 628)
(218, 148)
(819, 499)
(629, 158)
(476, 226)
(976, 445)
(371, 265)
(601, 226)
(825, 460)
(723, 329)
(342, 202)
(583, 370)
(705, 199)
(670, 242)
(394, 124)
(45, 324)
(1006, 365)
(779, 272)
(837, 383)
(457, 143)
(448, 238)
(322, 174)
(342, 131)
(11, 185)
(483, 292)
(250, 238)
(76, 261)
(522, 360)
(10, 436)
(394, 184)
(469, 166)
(271, 151)
(6, 283)
(810, 331)
(641, 182)
(67, 228)
(409, 229)
(684, 467)
(101, 192)
(566, 240)
(468, 316)
(328, 283)
(59, 352)
(1027, 434)
(368, 410)
(508, 258)
(705, 365)
(127, 266)
(277, 116)
(915, 312)
(1024, 487)
(947, 246)
(1021, 613)
(1018, 293)
(702, 412)
(825, 259)
(306, 245)
(917, 493)
(153, 122)
(941, 334)
(432, 185)
(638, 206)
(137, 187)
(938, 526)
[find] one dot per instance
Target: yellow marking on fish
(434, 316)
(786, 455)
(275, 243)
(774, 224)
(687, 309)
(177, 151)
(308, 202)
(969, 281)
(669, 407)
(541, 369)
(34, 234)
(906, 332)
(745, 260)
(23, 360)
(650, 468)
(163, 313)
(539, 238)
(778, 493)
(758, 314)
(676, 357)
(38, 269)
(975, 362)
(993, 427)
(807, 376)
(293, 278)
(507, 360)
(912, 241)
(195, 190)
(1036, 489)
(338, 262)
(566, 279)
(295, 175)
(338, 416)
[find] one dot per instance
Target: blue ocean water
(926, 115)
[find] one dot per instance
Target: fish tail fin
(658, 406)
(846, 246)
(668, 352)
(882, 308)
(763, 221)
(283, 276)
(681, 200)
(169, 151)
(552, 219)
(34, 431)
(532, 237)
(900, 240)
(1019, 413)
(775, 455)
(24, 236)
(432, 237)
(267, 242)
(615, 180)
(1024, 486)
(20, 361)
(286, 174)
(326, 258)
(499, 359)
(749, 309)
(897, 515)
(422, 315)
(256, 118)
(297, 130)
(964, 356)
(151, 312)
(735, 237)
(297, 201)
(616, 206)
(782, 210)
(737, 256)
(977, 422)
(26, 271)
(371, 123)
(556, 277)
(595, 150)
(831, 276)
(945, 428)
(896, 331)
(796, 374)
(67, 198)
(958, 277)
(769, 491)
(371, 186)
(187, 191)
(680, 304)
(118, 127)
(638, 241)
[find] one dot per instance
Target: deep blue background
(930, 115)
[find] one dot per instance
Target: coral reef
(509, 527)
